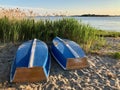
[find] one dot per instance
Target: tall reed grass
(25, 29)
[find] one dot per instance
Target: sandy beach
(103, 72)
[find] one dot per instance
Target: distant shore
(94, 15)
(21, 13)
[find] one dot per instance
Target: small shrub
(116, 55)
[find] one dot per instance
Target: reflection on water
(104, 23)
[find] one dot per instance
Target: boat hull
(31, 63)
(68, 54)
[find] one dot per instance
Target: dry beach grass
(103, 72)
(16, 13)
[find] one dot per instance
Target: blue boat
(31, 63)
(68, 54)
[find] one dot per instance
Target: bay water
(101, 23)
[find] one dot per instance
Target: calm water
(104, 23)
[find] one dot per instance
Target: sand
(103, 72)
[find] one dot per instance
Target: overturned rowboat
(68, 54)
(31, 63)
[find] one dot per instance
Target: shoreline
(103, 71)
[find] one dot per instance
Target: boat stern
(33, 74)
(76, 63)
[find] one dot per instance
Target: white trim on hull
(32, 53)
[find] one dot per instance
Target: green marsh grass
(26, 29)
(108, 33)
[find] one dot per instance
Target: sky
(74, 7)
